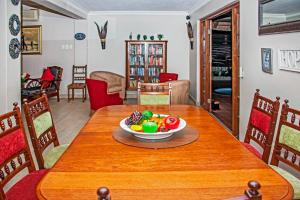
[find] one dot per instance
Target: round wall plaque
(79, 36)
(15, 2)
(14, 24)
(14, 48)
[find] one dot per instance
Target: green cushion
(290, 137)
(53, 155)
(42, 123)
(295, 182)
(154, 99)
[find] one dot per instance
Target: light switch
(241, 72)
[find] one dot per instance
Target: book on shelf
(153, 60)
(154, 71)
(155, 49)
(136, 49)
(136, 60)
(154, 80)
(141, 71)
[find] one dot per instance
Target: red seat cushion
(164, 77)
(11, 144)
(47, 75)
(260, 120)
(25, 189)
(46, 78)
(252, 149)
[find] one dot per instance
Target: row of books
(136, 49)
(133, 83)
(155, 49)
(154, 80)
(154, 71)
(155, 60)
(137, 60)
(140, 71)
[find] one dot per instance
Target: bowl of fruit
(147, 125)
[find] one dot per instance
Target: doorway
(221, 69)
(219, 65)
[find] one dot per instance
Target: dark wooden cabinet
(145, 60)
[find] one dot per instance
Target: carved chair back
(41, 127)
(14, 151)
(154, 93)
(262, 123)
(79, 74)
(287, 143)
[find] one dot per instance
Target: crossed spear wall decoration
(102, 32)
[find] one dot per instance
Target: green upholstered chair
(154, 93)
(287, 146)
(42, 132)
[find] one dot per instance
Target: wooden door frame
(234, 9)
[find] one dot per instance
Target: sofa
(180, 91)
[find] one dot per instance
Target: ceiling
(138, 5)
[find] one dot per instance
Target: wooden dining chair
(261, 125)
(42, 132)
(252, 193)
(154, 93)
(79, 75)
(15, 157)
(287, 146)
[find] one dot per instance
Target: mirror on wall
(278, 16)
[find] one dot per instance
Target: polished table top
(216, 166)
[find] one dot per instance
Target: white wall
(172, 26)
(10, 81)
(57, 47)
(282, 83)
(58, 31)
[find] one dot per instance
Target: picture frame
(31, 40)
(266, 60)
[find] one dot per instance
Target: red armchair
(164, 77)
(99, 97)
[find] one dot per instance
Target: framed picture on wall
(31, 39)
(266, 60)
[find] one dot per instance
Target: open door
(235, 71)
(205, 64)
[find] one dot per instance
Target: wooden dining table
(216, 166)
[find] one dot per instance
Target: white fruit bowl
(153, 136)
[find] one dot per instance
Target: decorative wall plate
(14, 24)
(79, 36)
(14, 48)
(15, 2)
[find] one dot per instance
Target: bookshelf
(145, 60)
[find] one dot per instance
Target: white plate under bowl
(153, 136)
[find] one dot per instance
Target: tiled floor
(70, 117)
